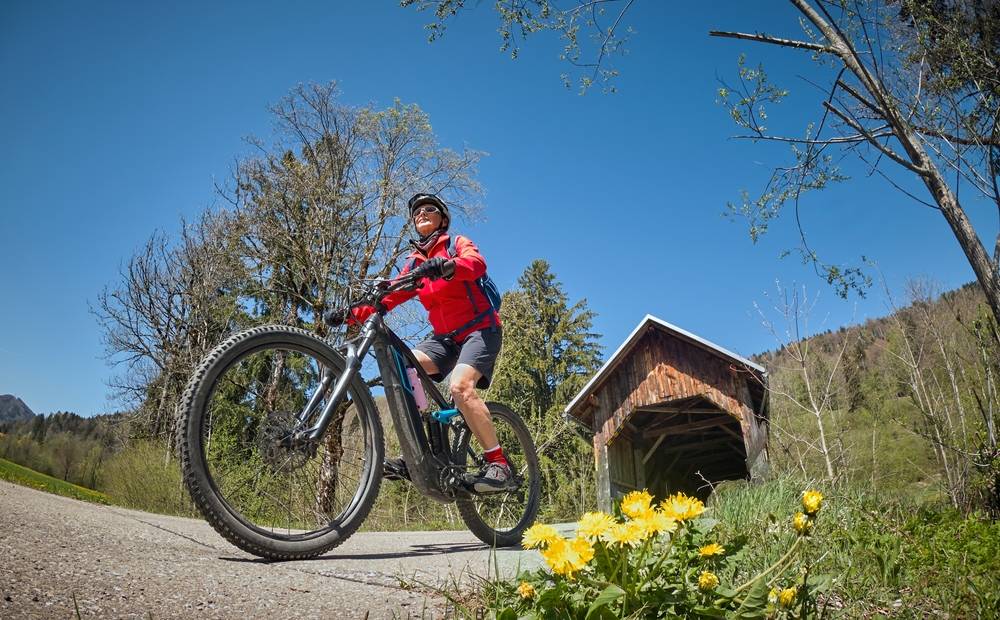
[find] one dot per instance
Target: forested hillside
(907, 402)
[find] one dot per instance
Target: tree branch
(861, 99)
(879, 133)
(764, 38)
(857, 127)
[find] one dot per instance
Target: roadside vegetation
(758, 551)
(18, 474)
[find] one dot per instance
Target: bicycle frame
(430, 458)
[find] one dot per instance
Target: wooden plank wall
(661, 367)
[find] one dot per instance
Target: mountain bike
(282, 444)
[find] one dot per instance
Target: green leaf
(507, 614)
(607, 596)
(549, 599)
(819, 583)
(755, 603)
(705, 525)
(709, 612)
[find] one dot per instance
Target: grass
(18, 474)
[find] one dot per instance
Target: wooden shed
(669, 411)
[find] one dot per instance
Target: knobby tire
(226, 520)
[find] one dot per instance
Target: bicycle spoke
(269, 483)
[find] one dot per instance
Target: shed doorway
(683, 445)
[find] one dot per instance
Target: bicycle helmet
(422, 199)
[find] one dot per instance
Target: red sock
(495, 455)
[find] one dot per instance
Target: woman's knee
(463, 387)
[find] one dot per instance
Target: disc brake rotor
(273, 442)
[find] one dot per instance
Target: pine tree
(549, 353)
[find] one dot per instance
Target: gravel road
(123, 563)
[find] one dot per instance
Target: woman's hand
(435, 268)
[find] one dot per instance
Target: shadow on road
(411, 551)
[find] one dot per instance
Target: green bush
(145, 476)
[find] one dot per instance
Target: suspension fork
(355, 355)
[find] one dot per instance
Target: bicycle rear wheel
(266, 495)
(499, 519)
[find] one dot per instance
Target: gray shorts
(479, 350)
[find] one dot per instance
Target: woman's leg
(477, 416)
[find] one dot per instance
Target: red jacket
(452, 304)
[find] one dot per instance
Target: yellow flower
(526, 590)
(772, 596)
(655, 522)
(802, 523)
(637, 504)
(786, 597)
(812, 501)
(566, 557)
(583, 549)
(681, 507)
(538, 535)
(630, 533)
(593, 525)
(556, 555)
(713, 549)
(707, 581)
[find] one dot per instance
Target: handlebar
(378, 289)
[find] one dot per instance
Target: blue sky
(118, 117)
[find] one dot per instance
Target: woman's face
(426, 221)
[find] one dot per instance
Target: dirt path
(125, 563)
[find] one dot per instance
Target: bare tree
(804, 380)
(906, 86)
(172, 303)
(325, 204)
(320, 207)
(948, 372)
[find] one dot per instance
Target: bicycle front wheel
(499, 519)
(265, 494)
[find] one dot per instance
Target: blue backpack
(485, 283)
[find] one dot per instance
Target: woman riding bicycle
(467, 331)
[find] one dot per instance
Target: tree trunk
(984, 267)
(333, 451)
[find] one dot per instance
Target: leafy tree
(549, 353)
(549, 348)
(855, 369)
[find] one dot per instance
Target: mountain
(13, 409)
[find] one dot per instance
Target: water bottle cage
(445, 416)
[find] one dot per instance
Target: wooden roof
(651, 322)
